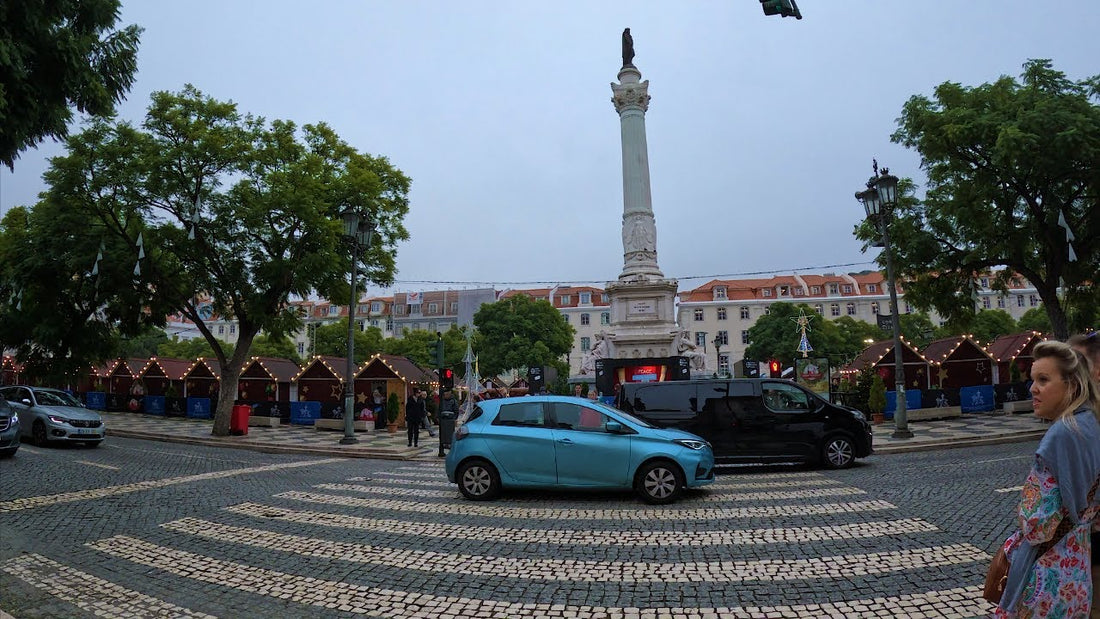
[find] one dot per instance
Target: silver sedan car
(53, 415)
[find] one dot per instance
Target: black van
(754, 419)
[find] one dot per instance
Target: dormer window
(767, 292)
(375, 307)
(872, 288)
(815, 289)
(834, 288)
(784, 291)
(847, 289)
(720, 293)
(984, 282)
(586, 298)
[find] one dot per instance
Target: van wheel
(478, 480)
(659, 482)
(838, 452)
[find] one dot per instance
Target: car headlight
(14, 418)
(58, 419)
(691, 443)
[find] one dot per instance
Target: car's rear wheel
(659, 482)
(38, 432)
(478, 480)
(838, 451)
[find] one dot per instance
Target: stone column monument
(643, 322)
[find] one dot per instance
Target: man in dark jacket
(415, 412)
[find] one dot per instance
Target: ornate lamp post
(878, 200)
(717, 355)
(358, 229)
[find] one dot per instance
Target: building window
(909, 308)
(744, 336)
(767, 292)
(1019, 300)
(564, 299)
(724, 364)
(720, 293)
(767, 310)
(701, 338)
(1001, 302)
(374, 322)
(432, 326)
(724, 337)
(586, 343)
(799, 291)
(721, 313)
(586, 298)
(433, 308)
(874, 308)
(333, 310)
(820, 310)
(847, 289)
(834, 309)
(872, 287)
(454, 307)
(399, 310)
(375, 307)
(834, 289)
(698, 315)
(414, 309)
(585, 319)
(744, 313)
(815, 289)
(232, 329)
(389, 324)
(221, 329)
(605, 318)
(784, 291)
(603, 298)
(851, 307)
(984, 283)
(1034, 300)
(565, 317)
(985, 303)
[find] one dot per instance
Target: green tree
(876, 400)
(988, 325)
(332, 339)
(776, 336)
(416, 345)
(518, 333)
(1035, 319)
(917, 328)
(275, 347)
(142, 345)
(56, 56)
(191, 348)
(1005, 162)
(263, 201)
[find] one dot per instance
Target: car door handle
(565, 441)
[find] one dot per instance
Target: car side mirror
(613, 427)
(26, 401)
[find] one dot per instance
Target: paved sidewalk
(968, 430)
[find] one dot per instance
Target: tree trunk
(228, 381)
(1053, 305)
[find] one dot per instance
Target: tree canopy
(518, 332)
(56, 56)
(776, 336)
(201, 201)
(1007, 162)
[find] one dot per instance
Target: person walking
(1049, 573)
(414, 415)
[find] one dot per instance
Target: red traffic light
(773, 368)
(447, 378)
(448, 373)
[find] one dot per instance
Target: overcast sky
(760, 129)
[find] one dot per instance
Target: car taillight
(461, 432)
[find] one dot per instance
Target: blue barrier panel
(154, 405)
(198, 408)
(976, 399)
(912, 401)
(304, 413)
(96, 400)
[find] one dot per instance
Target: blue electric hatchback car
(551, 441)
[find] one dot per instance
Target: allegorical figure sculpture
(628, 49)
(599, 351)
(686, 348)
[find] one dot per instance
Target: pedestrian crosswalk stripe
(438, 472)
(88, 592)
(589, 537)
(725, 485)
(576, 570)
(1012, 489)
(466, 508)
(704, 495)
(384, 602)
(99, 493)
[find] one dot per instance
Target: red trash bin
(238, 421)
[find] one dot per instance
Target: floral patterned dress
(1060, 584)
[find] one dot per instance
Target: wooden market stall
(164, 376)
(880, 357)
(1009, 350)
(958, 362)
(202, 379)
(267, 379)
(392, 374)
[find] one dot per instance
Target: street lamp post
(358, 229)
(717, 355)
(879, 199)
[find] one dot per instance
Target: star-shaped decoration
(361, 398)
(336, 391)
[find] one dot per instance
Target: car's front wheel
(838, 451)
(478, 480)
(38, 432)
(659, 482)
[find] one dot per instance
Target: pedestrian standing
(414, 415)
(1049, 557)
(1089, 345)
(378, 408)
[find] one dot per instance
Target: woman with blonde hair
(1049, 556)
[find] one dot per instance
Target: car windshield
(55, 398)
(627, 416)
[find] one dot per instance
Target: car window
(520, 414)
(569, 416)
(55, 398)
(664, 397)
(783, 398)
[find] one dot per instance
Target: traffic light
(774, 369)
(447, 378)
(785, 8)
(437, 351)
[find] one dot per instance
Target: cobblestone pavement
(139, 528)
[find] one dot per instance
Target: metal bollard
(446, 430)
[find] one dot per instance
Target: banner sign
(813, 374)
(975, 399)
(886, 322)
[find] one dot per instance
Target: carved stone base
(643, 321)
